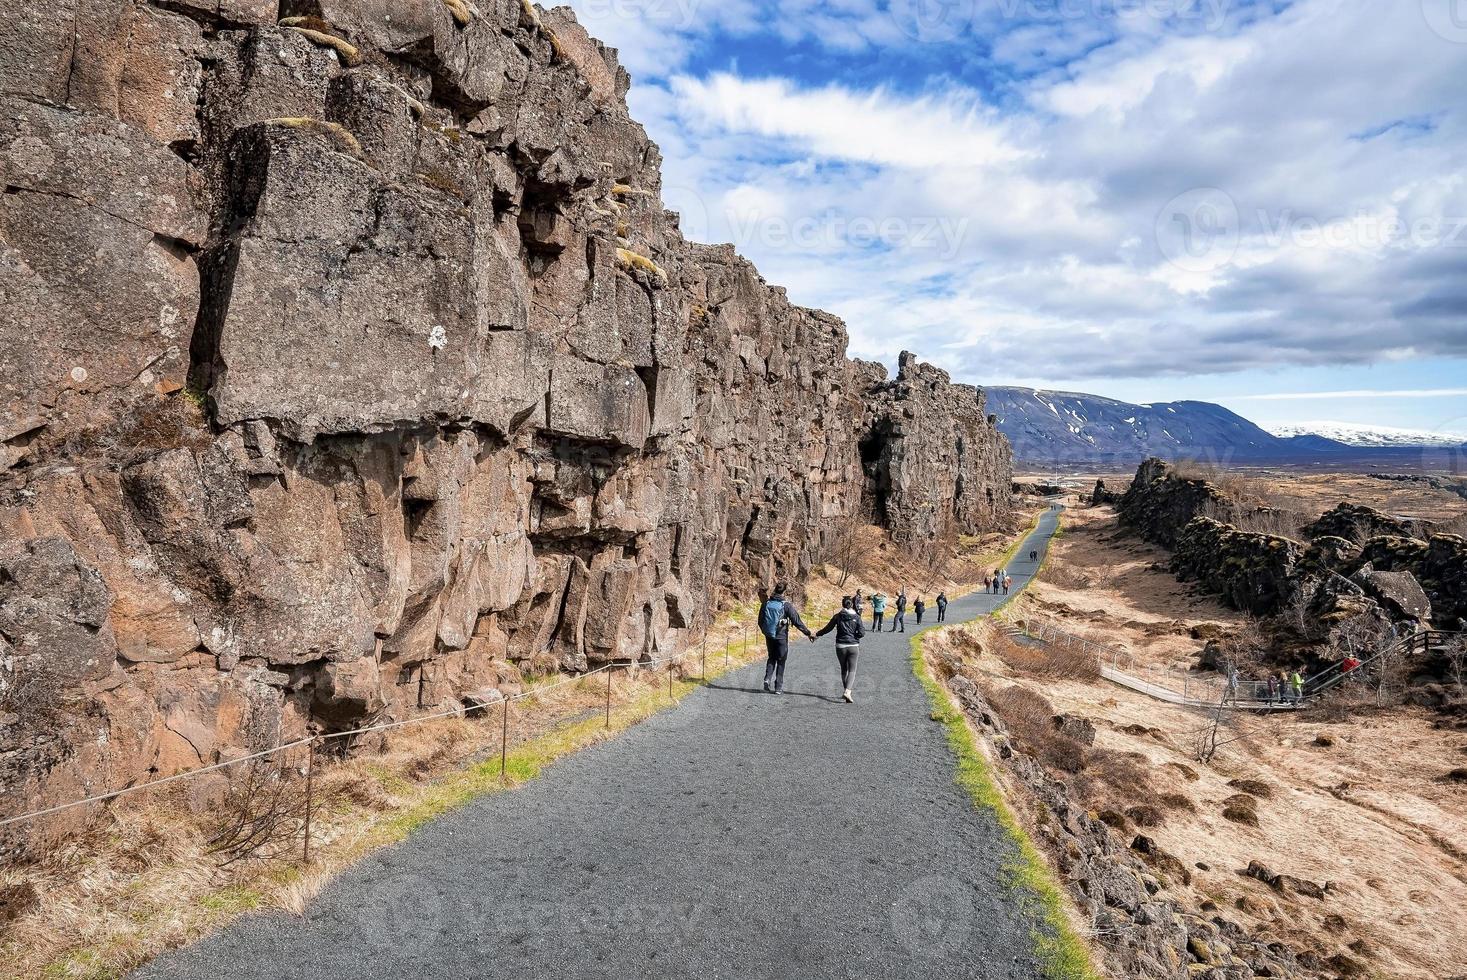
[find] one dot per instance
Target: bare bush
(261, 816)
(1456, 657)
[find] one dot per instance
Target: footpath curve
(738, 834)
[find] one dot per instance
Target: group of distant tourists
(778, 615)
(999, 583)
(879, 603)
(1285, 687)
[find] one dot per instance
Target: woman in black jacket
(848, 633)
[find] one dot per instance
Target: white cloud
(1337, 244)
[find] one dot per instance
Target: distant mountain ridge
(1063, 426)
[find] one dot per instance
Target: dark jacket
(791, 618)
(847, 626)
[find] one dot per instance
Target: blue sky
(1256, 202)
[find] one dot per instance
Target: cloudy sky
(1257, 202)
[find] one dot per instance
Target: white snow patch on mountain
(1370, 436)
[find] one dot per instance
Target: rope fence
(503, 703)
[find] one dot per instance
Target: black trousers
(779, 652)
(942, 614)
(847, 657)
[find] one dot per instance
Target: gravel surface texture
(740, 834)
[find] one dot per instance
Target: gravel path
(738, 835)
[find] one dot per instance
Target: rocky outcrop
(1251, 571)
(1439, 565)
(353, 368)
(931, 456)
(1160, 504)
(1357, 523)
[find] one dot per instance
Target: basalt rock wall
(350, 367)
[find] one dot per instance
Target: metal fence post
(609, 670)
(504, 745)
(310, 797)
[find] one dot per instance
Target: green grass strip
(1062, 954)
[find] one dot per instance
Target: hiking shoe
(768, 689)
(849, 699)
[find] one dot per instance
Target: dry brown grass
(1055, 663)
(1030, 720)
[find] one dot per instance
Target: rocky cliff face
(351, 366)
(929, 455)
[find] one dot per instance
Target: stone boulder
(1399, 593)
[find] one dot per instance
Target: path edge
(1062, 953)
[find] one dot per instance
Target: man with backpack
(776, 617)
(942, 607)
(848, 634)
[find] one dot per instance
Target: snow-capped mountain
(1061, 426)
(1370, 436)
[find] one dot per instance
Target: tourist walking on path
(920, 606)
(858, 603)
(987, 584)
(900, 621)
(1233, 681)
(942, 607)
(776, 617)
(1008, 583)
(1298, 683)
(878, 612)
(848, 634)
(1273, 689)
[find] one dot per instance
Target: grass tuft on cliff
(349, 55)
(1062, 954)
